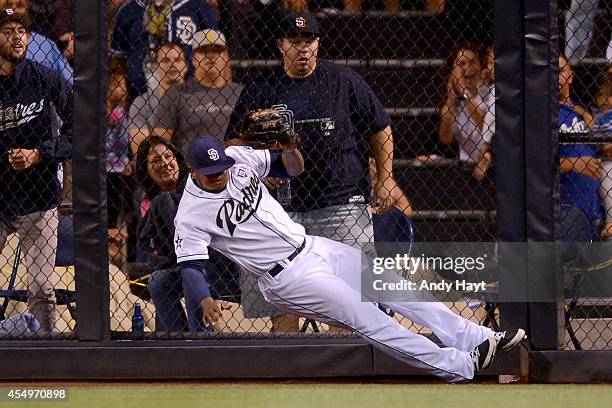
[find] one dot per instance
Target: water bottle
(137, 321)
(283, 192)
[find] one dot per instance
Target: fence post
(90, 223)
(542, 167)
(510, 159)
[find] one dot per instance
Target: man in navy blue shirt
(30, 153)
(142, 25)
(341, 124)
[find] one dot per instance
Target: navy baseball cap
(295, 24)
(11, 15)
(206, 155)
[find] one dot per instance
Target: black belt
(279, 268)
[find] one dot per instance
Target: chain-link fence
(253, 57)
(36, 134)
(372, 86)
(585, 85)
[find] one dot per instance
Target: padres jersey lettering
(243, 222)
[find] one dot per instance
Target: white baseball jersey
(243, 222)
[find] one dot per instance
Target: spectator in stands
(170, 69)
(142, 26)
(580, 169)
(603, 123)
(340, 121)
(158, 173)
(31, 96)
(488, 126)
(251, 25)
(118, 167)
(161, 169)
(203, 104)
(40, 48)
(464, 108)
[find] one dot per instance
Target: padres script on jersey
(243, 222)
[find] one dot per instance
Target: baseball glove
(269, 129)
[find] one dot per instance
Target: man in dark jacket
(30, 153)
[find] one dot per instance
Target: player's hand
(589, 166)
(21, 159)
(272, 182)
(213, 309)
(386, 194)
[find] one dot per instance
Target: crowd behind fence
(402, 84)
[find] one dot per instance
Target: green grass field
(223, 395)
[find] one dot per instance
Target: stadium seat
(393, 226)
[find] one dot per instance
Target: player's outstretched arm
(293, 161)
(197, 287)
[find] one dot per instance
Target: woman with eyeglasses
(161, 173)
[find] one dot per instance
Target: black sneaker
(507, 340)
(482, 356)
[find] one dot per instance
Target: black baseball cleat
(482, 356)
(507, 340)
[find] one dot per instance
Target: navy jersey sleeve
(60, 146)
(195, 280)
(277, 167)
(370, 115)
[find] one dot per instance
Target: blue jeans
(166, 288)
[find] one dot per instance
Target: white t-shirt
(243, 222)
(488, 128)
(469, 137)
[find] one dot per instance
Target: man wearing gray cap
(203, 104)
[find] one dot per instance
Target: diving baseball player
(227, 207)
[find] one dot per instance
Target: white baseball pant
(323, 282)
